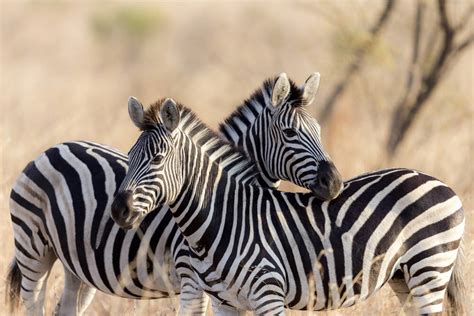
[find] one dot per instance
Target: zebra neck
(257, 144)
(247, 128)
(211, 216)
(194, 209)
(208, 171)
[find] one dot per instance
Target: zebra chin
(122, 211)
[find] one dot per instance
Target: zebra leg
(192, 300)
(221, 310)
(403, 294)
(33, 282)
(427, 287)
(273, 305)
(86, 295)
(76, 296)
(267, 295)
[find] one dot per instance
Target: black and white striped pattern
(60, 209)
(284, 141)
(261, 249)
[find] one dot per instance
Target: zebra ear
(136, 112)
(311, 87)
(170, 114)
(281, 89)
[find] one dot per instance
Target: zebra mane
(245, 114)
(203, 136)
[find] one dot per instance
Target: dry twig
(420, 88)
(355, 66)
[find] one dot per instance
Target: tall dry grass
(67, 70)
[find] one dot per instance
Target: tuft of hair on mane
(192, 125)
(256, 103)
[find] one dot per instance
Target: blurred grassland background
(68, 68)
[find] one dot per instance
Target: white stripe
(384, 226)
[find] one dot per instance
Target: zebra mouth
(131, 222)
(324, 194)
(134, 222)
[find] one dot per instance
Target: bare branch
(446, 47)
(444, 20)
(464, 44)
(412, 84)
(407, 110)
(445, 54)
(432, 41)
(354, 67)
(383, 17)
(420, 9)
(413, 76)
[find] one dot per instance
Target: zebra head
(293, 150)
(153, 161)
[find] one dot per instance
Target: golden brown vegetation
(67, 70)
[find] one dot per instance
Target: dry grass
(67, 70)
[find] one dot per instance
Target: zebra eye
(289, 132)
(158, 158)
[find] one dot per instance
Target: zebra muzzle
(122, 210)
(328, 184)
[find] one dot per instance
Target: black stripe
(74, 184)
(35, 176)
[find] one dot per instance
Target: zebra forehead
(297, 118)
(157, 139)
(306, 119)
(151, 141)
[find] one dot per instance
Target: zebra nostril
(324, 181)
(122, 208)
(125, 213)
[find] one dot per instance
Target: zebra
(60, 206)
(255, 248)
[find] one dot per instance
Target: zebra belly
(133, 264)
